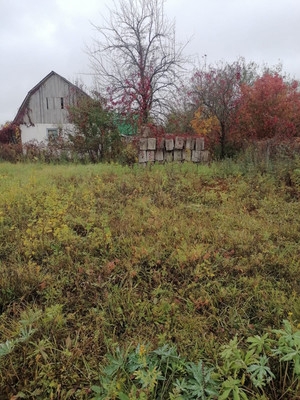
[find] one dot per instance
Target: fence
(168, 149)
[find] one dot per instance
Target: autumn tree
(136, 59)
(215, 92)
(268, 109)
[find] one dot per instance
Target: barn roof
(20, 114)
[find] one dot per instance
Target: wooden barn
(43, 115)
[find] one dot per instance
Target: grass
(97, 257)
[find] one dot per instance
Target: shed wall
(49, 103)
(39, 132)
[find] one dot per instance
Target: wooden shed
(44, 111)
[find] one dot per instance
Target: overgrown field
(162, 274)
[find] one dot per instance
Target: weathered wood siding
(48, 104)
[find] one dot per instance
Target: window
(55, 103)
(52, 134)
(50, 103)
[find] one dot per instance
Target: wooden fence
(168, 149)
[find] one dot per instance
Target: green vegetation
(165, 282)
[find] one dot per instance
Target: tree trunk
(222, 141)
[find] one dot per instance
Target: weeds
(201, 263)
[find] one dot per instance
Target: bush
(128, 154)
(10, 152)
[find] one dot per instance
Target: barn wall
(46, 104)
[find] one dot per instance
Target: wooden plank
(199, 144)
(143, 144)
(177, 155)
(151, 143)
(179, 143)
(159, 155)
(196, 156)
(169, 143)
(190, 143)
(150, 155)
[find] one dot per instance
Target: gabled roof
(18, 118)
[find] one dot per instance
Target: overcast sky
(38, 36)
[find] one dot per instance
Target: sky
(40, 36)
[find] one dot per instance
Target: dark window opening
(47, 103)
(52, 134)
(61, 102)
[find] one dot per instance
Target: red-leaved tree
(268, 109)
(10, 134)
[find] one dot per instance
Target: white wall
(38, 132)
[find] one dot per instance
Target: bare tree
(136, 58)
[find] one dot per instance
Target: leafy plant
(260, 373)
(154, 374)
(288, 351)
(200, 384)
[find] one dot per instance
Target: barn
(43, 115)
